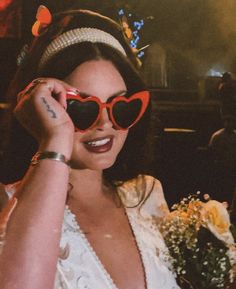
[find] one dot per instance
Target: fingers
(29, 89)
(41, 108)
(57, 89)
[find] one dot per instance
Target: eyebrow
(119, 93)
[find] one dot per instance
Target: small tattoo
(49, 109)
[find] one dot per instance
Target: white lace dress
(80, 268)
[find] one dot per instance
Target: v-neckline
(96, 257)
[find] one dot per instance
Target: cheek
(121, 138)
(78, 151)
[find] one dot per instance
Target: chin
(97, 165)
(102, 164)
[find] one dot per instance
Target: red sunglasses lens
(126, 113)
(83, 114)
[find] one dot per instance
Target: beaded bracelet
(49, 155)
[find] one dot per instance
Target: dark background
(197, 35)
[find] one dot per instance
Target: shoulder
(144, 193)
(216, 136)
(218, 133)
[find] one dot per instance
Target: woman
(85, 217)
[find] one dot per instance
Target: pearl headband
(79, 35)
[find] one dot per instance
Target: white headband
(79, 35)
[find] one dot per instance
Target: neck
(87, 188)
(88, 181)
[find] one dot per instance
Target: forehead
(97, 77)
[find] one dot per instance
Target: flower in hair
(44, 18)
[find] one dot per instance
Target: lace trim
(90, 248)
(150, 250)
(140, 248)
(132, 224)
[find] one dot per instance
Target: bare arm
(31, 247)
(3, 197)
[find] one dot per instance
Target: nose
(104, 121)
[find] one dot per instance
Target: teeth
(99, 142)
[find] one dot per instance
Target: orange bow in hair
(44, 18)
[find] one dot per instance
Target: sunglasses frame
(144, 96)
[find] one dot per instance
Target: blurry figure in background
(223, 143)
(227, 95)
(223, 148)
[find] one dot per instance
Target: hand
(41, 109)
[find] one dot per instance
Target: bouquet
(201, 243)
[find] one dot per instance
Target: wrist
(62, 144)
(50, 155)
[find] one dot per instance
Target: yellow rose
(194, 207)
(216, 219)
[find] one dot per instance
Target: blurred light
(140, 54)
(177, 129)
(4, 4)
(4, 105)
(213, 72)
(121, 12)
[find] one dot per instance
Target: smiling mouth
(99, 145)
(99, 142)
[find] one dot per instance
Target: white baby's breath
(199, 239)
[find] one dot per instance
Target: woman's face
(97, 148)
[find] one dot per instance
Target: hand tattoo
(53, 114)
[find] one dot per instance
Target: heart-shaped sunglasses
(123, 111)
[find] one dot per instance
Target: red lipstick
(99, 145)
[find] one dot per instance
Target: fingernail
(72, 91)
